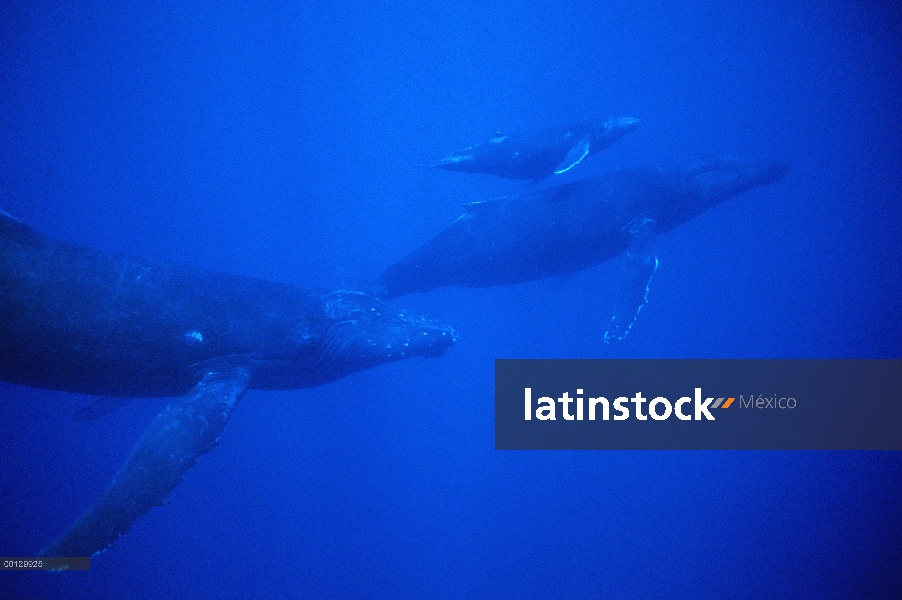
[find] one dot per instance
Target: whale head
(606, 133)
(459, 160)
(715, 179)
(621, 124)
(355, 332)
(366, 329)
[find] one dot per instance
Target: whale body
(575, 226)
(569, 227)
(539, 155)
(82, 320)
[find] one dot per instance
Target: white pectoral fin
(639, 266)
(575, 156)
(475, 206)
(187, 428)
(480, 205)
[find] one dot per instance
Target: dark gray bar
(44, 563)
(776, 404)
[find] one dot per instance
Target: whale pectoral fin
(575, 156)
(187, 428)
(638, 268)
(476, 205)
(480, 205)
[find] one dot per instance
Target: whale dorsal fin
(575, 156)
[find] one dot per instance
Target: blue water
(281, 141)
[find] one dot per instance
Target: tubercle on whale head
(624, 124)
(722, 177)
(365, 332)
(615, 128)
(460, 158)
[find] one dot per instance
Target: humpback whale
(77, 319)
(575, 226)
(539, 155)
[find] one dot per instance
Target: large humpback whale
(83, 320)
(572, 227)
(539, 155)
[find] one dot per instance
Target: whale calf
(539, 155)
(575, 226)
(82, 320)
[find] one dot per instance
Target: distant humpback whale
(539, 155)
(572, 227)
(94, 322)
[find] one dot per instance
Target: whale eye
(194, 338)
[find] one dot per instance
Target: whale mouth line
(364, 329)
(383, 341)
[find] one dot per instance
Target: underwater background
(284, 141)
